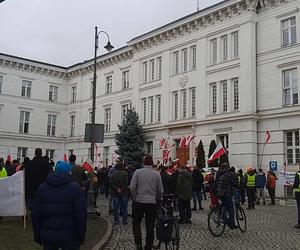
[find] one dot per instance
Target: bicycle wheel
(216, 224)
(174, 243)
(241, 218)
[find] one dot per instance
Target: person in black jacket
(59, 212)
(296, 187)
(197, 187)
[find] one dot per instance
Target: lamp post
(108, 47)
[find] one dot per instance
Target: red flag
(162, 143)
(88, 166)
(267, 136)
(219, 151)
(167, 152)
(65, 157)
(182, 143)
(189, 139)
(8, 158)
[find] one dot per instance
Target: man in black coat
(59, 212)
(36, 172)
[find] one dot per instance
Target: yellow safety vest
(250, 180)
(3, 173)
(298, 188)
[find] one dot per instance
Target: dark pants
(297, 197)
(138, 211)
(120, 207)
(63, 246)
(251, 191)
(228, 204)
(243, 199)
(272, 195)
(184, 209)
(197, 196)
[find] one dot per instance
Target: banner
(12, 195)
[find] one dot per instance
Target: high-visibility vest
(3, 173)
(250, 180)
(298, 188)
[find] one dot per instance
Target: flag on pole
(189, 139)
(88, 166)
(182, 143)
(162, 143)
(267, 136)
(166, 152)
(219, 151)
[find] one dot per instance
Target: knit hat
(148, 160)
(62, 166)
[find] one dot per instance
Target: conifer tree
(212, 148)
(200, 160)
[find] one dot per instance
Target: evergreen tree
(200, 160)
(130, 141)
(212, 148)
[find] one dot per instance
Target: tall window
(107, 119)
(292, 147)
(224, 48)
(144, 108)
(235, 45)
(194, 57)
(149, 147)
(152, 70)
(213, 51)
(158, 105)
(72, 125)
(73, 94)
(159, 68)
(193, 102)
(183, 95)
(176, 62)
(235, 83)
(125, 79)
(290, 88)
(50, 153)
(51, 125)
(184, 60)
(151, 109)
(213, 93)
(224, 95)
(21, 153)
(24, 122)
(224, 139)
(108, 84)
(175, 98)
(1, 81)
(53, 93)
(288, 30)
(124, 110)
(145, 72)
(26, 88)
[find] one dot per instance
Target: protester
(77, 172)
(166, 180)
(146, 188)
(236, 188)
(271, 186)
(297, 195)
(12, 168)
(211, 179)
(3, 172)
(72, 160)
(59, 213)
(260, 186)
(250, 187)
(242, 186)
(197, 188)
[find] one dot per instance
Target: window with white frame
(288, 31)
(152, 73)
(292, 147)
(184, 54)
(224, 48)
(26, 88)
(72, 125)
(193, 57)
(184, 104)
(290, 87)
(144, 108)
(124, 110)
(1, 82)
(108, 84)
(149, 147)
(21, 153)
(176, 62)
(235, 87)
(224, 96)
(145, 72)
(213, 51)
(193, 102)
(158, 107)
(125, 79)
(175, 104)
(73, 93)
(224, 139)
(151, 109)
(24, 122)
(53, 90)
(51, 125)
(107, 119)
(213, 94)
(159, 68)
(50, 153)
(235, 44)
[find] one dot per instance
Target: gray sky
(62, 31)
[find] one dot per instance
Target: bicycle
(218, 219)
(167, 228)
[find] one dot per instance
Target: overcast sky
(62, 31)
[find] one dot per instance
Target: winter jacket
(166, 182)
(226, 183)
(271, 181)
(78, 174)
(59, 212)
(184, 185)
(119, 181)
(296, 180)
(197, 180)
(260, 180)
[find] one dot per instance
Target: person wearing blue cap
(59, 212)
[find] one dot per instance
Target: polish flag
(167, 152)
(219, 151)
(88, 166)
(162, 143)
(189, 139)
(267, 136)
(65, 157)
(182, 143)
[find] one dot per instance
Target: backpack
(164, 228)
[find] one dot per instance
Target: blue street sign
(273, 165)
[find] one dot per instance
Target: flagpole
(259, 167)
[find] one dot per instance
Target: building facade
(228, 72)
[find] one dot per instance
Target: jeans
(120, 205)
(138, 211)
(297, 197)
(63, 246)
(260, 194)
(228, 204)
(197, 196)
(184, 209)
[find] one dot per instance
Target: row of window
(184, 103)
(152, 70)
(151, 109)
(184, 60)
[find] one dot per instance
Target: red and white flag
(65, 157)
(88, 166)
(267, 136)
(182, 143)
(189, 139)
(162, 143)
(219, 151)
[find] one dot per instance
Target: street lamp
(108, 47)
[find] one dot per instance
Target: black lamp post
(108, 47)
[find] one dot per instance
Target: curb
(101, 244)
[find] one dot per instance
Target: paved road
(269, 227)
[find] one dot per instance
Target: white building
(228, 72)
